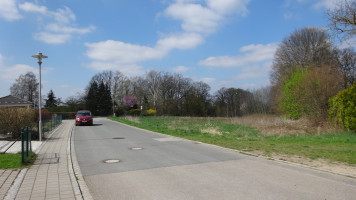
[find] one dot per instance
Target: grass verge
(336, 146)
(13, 161)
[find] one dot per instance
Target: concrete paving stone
(37, 198)
(39, 186)
(25, 191)
(38, 194)
(27, 184)
(4, 187)
(54, 196)
(67, 191)
(67, 196)
(22, 198)
(53, 189)
(23, 195)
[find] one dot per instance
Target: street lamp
(39, 56)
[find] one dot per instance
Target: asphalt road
(170, 168)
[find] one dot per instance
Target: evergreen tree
(104, 95)
(51, 100)
(92, 98)
(98, 99)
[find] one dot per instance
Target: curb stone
(76, 174)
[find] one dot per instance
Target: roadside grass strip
(334, 146)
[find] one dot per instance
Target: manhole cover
(136, 148)
(111, 161)
(118, 138)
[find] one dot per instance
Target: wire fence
(49, 125)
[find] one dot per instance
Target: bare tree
(153, 79)
(26, 87)
(343, 19)
(347, 66)
(105, 76)
(262, 100)
(116, 87)
(139, 85)
(304, 47)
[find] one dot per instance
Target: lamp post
(39, 56)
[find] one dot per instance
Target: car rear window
(82, 114)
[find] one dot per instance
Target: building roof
(13, 101)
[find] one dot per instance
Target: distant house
(11, 101)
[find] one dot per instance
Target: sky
(224, 43)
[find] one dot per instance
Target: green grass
(13, 161)
(339, 146)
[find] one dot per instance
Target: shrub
(13, 119)
(151, 112)
(343, 108)
(45, 115)
(315, 90)
(120, 111)
(135, 112)
(288, 103)
(307, 93)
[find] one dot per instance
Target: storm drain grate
(136, 148)
(111, 161)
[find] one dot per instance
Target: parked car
(83, 117)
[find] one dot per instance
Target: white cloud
(180, 41)
(249, 54)
(64, 16)
(205, 19)
(328, 4)
(110, 53)
(127, 69)
(208, 80)
(30, 7)
(180, 69)
(197, 22)
(70, 30)
(13, 72)
(228, 6)
(10, 73)
(255, 72)
(121, 52)
(52, 38)
(8, 10)
(195, 17)
(62, 27)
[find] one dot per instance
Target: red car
(83, 117)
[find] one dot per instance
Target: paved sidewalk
(51, 176)
(7, 177)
